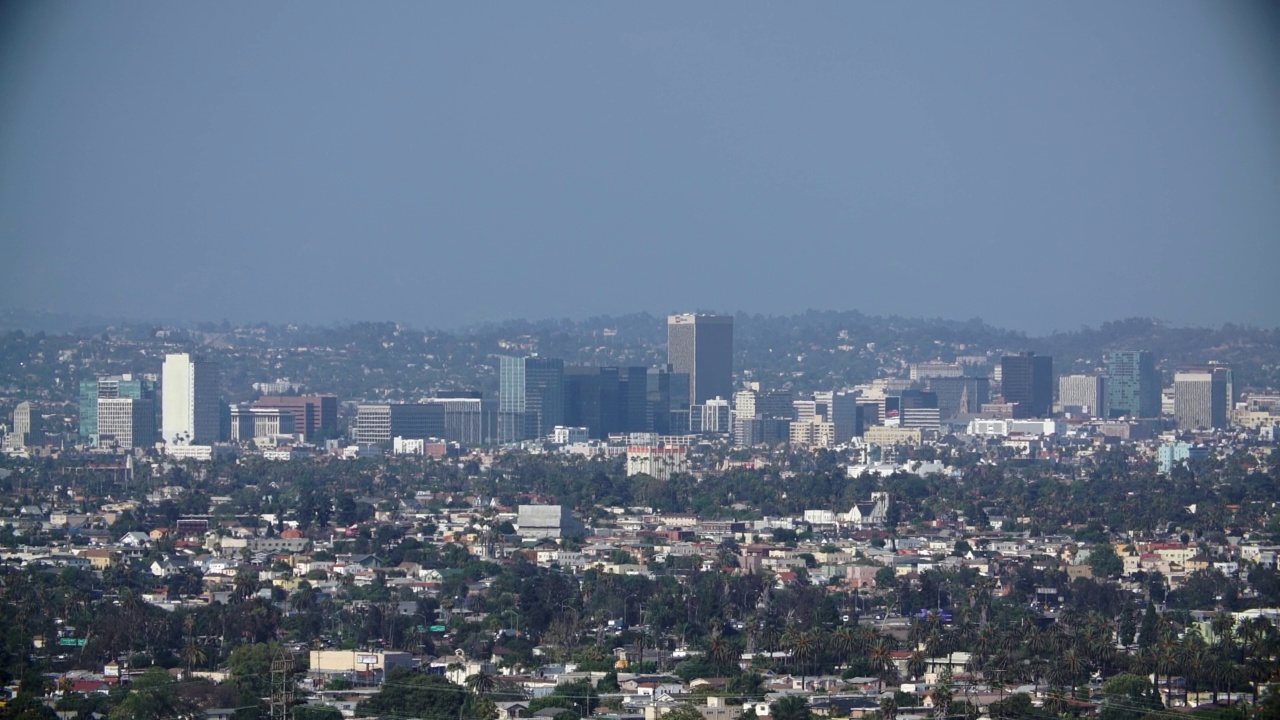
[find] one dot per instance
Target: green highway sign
(437, 628)
(78, 642)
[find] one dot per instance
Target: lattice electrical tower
(282, 687)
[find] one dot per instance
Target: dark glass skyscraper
(1133, 384)
(606, 399)
(1027, 379)
(530, 397)
(702, 346)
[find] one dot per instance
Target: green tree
(316, 712)
(407, 693)
(1128, 697)
(683, 712)
(791, 707)
(1104, 562)
(153, 695)
(250, 667)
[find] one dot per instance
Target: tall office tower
(959, 395)
(1224, 375)
(744, 404)
(702, 346)
(28, 426)
(633, 399)
(312, 414)
(583, 397)
(667, 401)
(469, 419)
(125, 422)
(530, 397)
(1027, 379)
(112, 387)
(1088, 393)
(191, 405)
(1133, 384)
(1201, 397)
(842, 412)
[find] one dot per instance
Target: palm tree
(888, 706)
(791, 707)
(882, 660)
(916, 664)
(942, 695)
(481, 683)
(1166, 662)
(719, 650)
(843, 642)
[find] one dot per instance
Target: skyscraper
(667, 401)
(113, 387)
(28, 425)
(191, 404)
(530, 397)
(1027, 379)
(702, 346)
(957, 395)
(1086, 392)
(125, 422)
(1201, 397)
(1133, 384)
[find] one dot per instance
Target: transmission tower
(282, 690)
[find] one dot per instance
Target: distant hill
(808, 351)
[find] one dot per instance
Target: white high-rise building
(191, 397)
(1089, 393)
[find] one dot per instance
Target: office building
(657, 456)
(927, 418)
(844, 414)
(28, 426)
(1027, 379)
(468, 418)
(379, 423)
(959, 395)
(1171, 455)
(191, 404)
(813, 433)
(928, 370)
(1084, 394)
(667, 401)
(710, 418)
(1201, 397)
(530, 397)
(313, 415)
(775, 404)
(125, 422)
(702, 347)
(607, 400)
(109, 387)
(252, 423)
(1133, 384)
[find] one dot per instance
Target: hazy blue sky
(1041, 165)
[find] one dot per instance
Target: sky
(1041, 165)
